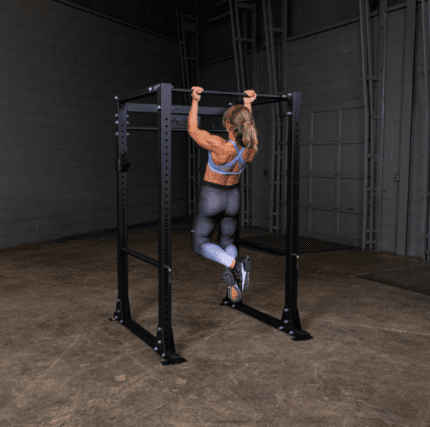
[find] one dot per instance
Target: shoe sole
(244, 272)
(231, 283)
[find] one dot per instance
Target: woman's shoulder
(229, 152)
(228, 142)
(227, 145)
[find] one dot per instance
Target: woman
(219, 199)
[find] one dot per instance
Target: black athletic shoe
(241, 271)
(231, 282)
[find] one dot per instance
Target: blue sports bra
(221, 169)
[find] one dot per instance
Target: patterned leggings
(217, 204)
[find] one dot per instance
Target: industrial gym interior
(334, 215)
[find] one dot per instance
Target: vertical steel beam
(163, 342)
(364, 23)
(373, 100)
(193, 149)
(284, 115)
(272, 222)
(366, 120)
(292, 207)
(123, 304)
(382, 55)
(239, 81)
(236, 19)
(164, 98)
(290, 320)
(280, 151)
(405, 139)
(186, 83)
(182, 52)
(275, 180)
(255, 87)
(372, 158)
(245, 185)
(425, 226)
(277, 164)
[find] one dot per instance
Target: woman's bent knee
(197, 248)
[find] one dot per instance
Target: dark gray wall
(62, 67)
(327, 69)
(60, 71)
(146, 14)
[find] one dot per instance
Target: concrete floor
(65, 364)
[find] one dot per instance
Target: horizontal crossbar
(139, 128)
(151, 261)
(176, 109)
(214, 92)
(154, 89)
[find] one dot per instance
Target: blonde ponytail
(243, 124)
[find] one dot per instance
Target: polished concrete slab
(64, 364)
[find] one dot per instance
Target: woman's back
(230, 154)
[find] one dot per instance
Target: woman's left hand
(196, 93)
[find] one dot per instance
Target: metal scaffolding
(245, 36)
(374, 101)
(189, 53)
(406, 128)
(370, 231)
(277, 63)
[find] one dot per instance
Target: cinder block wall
(60, 69)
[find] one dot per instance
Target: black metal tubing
(289, 323)
(151, 261)
(290, 320)
(136, 128)
(137, 94)
(154, 89)
(163, 342)
(244, 95)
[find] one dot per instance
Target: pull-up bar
(214, 92)
(152, 90)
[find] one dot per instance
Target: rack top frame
(153, 89)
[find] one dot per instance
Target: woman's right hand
(252, 96)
